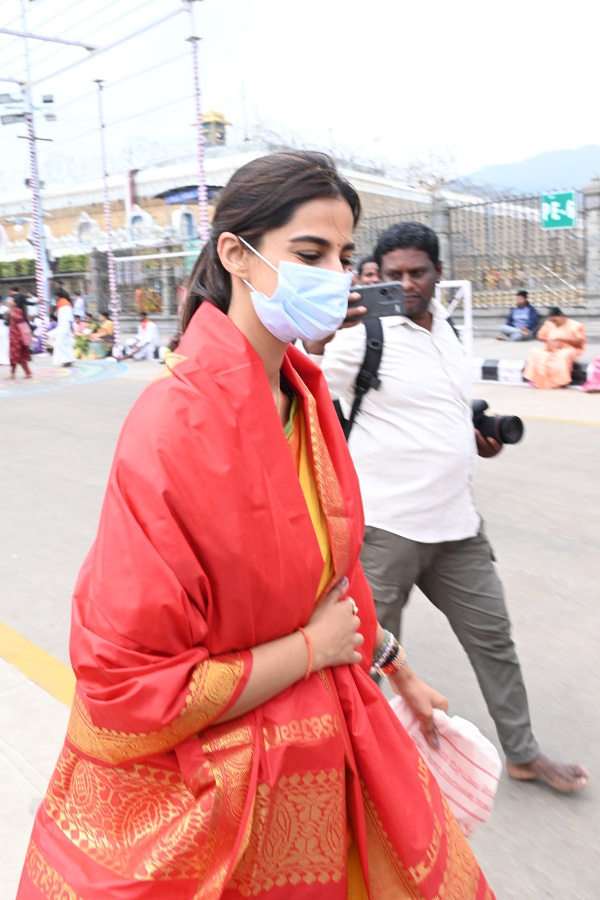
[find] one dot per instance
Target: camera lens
(509, 429)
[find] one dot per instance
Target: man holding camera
(414, 447)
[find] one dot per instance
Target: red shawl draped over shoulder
(205, 548)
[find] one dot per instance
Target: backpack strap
(367, 375)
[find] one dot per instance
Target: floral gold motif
(298, 834)
(211, 688)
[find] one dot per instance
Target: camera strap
(367, 374)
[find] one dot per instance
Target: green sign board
(194, 247)
(558, 210)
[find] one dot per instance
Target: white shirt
(147, 333)
(412, 441)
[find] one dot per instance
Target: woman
(62, 354)
(19, 339)
(226, 739)
(4, 332)
(551, 366)
(100, 343)
(592, 385)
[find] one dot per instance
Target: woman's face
(10, 303)
(318, 234)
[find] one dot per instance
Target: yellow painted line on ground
(560, 421)
(40, 667)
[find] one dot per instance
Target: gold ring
(354, 608)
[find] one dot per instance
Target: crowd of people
(244, 594)
(71, 333)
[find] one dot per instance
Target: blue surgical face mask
(308, 303)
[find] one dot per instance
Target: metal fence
(150, 280)
(499, 246)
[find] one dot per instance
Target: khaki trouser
(459, 578)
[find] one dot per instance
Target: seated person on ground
(522, 321)
(564, 340)
(144, 344)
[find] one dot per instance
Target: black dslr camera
(504, 429)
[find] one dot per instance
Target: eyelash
(309, 257)
(315, 257)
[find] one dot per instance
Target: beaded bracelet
(396, 664)
(310, 653)
(389, 656)
(384, 648)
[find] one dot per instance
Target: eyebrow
(322, 242)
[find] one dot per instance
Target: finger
(440, 702)
(355, 311)
(337, 591)
(431, 736)
(359, 639)
(356, 657)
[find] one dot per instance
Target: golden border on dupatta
(148, 823)
(46, 879)
(388, 874)
(211, 688)
(328, 487)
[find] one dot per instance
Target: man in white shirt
(79, 305)
(415, 448)
(144, 345)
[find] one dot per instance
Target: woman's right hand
(333, 630)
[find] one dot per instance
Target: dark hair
(104, 313)
(522, 294)
(261, 196)
(555, 311)
(60, 292)
(363, 262)
(408, 236)
(15, 289)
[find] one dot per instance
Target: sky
(466, 83)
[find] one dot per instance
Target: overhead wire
(127, 118)
(108, 85)
(44, 59)
(37, 61)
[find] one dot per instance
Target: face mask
(307, 304)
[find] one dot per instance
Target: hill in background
(552, 171)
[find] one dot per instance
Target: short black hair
(555, 311)
(363, 262)
(522, 294)
(408, 236)
(15, 289)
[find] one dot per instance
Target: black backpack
(367, 375)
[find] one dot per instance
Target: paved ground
(540, 500)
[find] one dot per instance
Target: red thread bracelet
(310, 653)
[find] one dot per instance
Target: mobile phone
(380, 300)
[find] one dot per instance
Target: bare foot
(562, 777)
(500, 337)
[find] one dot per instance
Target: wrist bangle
(310, 653)
(396, 663)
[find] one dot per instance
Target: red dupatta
(205, 549)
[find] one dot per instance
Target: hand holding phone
(380, 300)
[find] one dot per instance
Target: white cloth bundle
(467, 766)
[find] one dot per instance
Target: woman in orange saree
(226, 740)
(551, 366)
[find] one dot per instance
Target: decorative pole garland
(112, 279)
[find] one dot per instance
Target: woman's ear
(233, 255)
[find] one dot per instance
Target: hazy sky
(480, 82)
